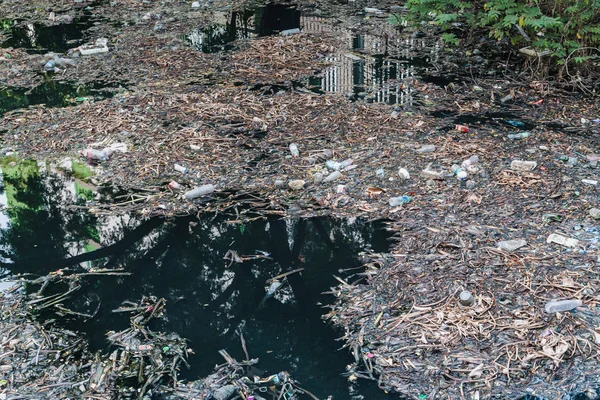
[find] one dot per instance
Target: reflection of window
(358, 68)
(358, 42)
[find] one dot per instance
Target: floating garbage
(101, 46)
(554, 306)
(512, 245)
(199, 192)
(562, 240)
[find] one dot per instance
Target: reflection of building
(377, 66)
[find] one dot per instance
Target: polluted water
(59, 35)
(266, 20)
(53, 93)
(220, 276)
(375, 67)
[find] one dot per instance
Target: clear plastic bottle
(460, 173)
(346, 163)
(398, 201)
(554, 306)
(199, 191)
(181, 168)
(519, 136)
(471, 161)
(294, 150)
(332, 176)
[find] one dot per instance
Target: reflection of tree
(41, 228)
(51, 93)
(182, 260)
(207, 301)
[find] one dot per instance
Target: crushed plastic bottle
(520, 165)
(460, 173)
(519, 136)
(554, 306)
(404, 174)
(97, 155)
(380, 173)
(398, 201)
(294, 150)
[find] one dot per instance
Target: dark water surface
(52, 93)
(188, 261)
(39, 38)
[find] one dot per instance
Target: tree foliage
(569, 30)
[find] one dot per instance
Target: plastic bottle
(98, 155)
(336, 166)
(404, 174)
(332, 176)
(199, 191)
(519, 136)
(49, 66)
(318, 177)
(294, 150)
(462, 128)
(554, 306)
(466, 298)
(333, 165)
(398, 201)
(174, 185)
(289, 32)
(181, 168)
(380, 173)
(573, 161)
(460, 173)
(470, 162)
(346, 163)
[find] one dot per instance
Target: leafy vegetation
(567, 30)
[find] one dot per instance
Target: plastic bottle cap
(466, 298)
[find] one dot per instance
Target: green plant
(567, 30)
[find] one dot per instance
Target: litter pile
(470, 320)
(45, 362)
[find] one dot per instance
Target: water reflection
(375, 66)
(38, 38)
(214, 273)
(228, 27)
(52, 94)
(378, 66)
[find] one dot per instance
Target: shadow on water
(38, 38)
(53, 94)
(212, 271)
